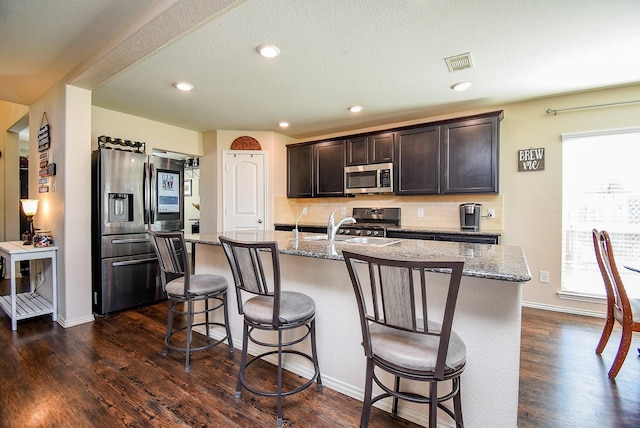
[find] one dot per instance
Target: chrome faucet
(332, 228)
(305, 210)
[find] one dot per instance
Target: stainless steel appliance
(130, 193)
(374, 178)
(371, 221)
(470, 216)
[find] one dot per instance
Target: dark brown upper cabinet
(369, 149)
(456, 156)
(300, 171)
(470, 155)
(315, 170)
(417, 167)
(329, 169)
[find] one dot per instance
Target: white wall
(216, 142)
(156, 135)
(10, 113)
(533, 200)
(190, 211)
(66, 208)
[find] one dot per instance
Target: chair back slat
(395, 293)
(250, 269)
(247, 267)
(396, 290)
(616, 292)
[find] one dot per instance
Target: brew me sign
(531, 159)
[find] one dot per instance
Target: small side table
(31, 304)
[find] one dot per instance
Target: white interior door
(245, 190)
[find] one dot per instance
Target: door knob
(259, 220)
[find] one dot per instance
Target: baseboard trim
(564, 309)
(72, 323)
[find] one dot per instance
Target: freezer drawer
(124, 245)
(128, 282)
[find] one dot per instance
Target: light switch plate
(420, 212)
(544, 276)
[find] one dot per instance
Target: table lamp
(29, 207)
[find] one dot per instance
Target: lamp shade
(29, 206)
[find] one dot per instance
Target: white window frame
(581, 247)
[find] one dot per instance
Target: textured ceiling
(387, 55)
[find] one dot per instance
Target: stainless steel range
(371, 221)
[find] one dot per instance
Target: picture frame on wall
(187, 187)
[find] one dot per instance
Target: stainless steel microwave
(375, 178)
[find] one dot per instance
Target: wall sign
(44, 137)
(531, 159)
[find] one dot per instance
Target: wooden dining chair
(620, 307)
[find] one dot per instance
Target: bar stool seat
(198, 285)
(294, 307)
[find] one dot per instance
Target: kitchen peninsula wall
(440, 212)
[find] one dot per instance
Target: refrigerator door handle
(134, 262)
(146, 191)
(153, 186)
(130, 241)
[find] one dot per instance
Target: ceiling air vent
(459, 62)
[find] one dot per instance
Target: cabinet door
(300, 171)
(417, 166)
(329, 168)
(381, 148)
(470, 156)
(357, 151)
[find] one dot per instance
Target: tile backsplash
(440, 212)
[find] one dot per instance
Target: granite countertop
(497, 262)
(415, 229)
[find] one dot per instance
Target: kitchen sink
(378, 242)
(324, 238)
(362, 240)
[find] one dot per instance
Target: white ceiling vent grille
(459, 62)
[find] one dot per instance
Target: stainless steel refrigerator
(131, 192)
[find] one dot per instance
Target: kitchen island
(487, 316)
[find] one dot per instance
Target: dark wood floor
(111, 373)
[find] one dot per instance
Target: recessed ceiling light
(461, 86)
(283, 124)
(183, 86)
(268, 51)
(355, 109)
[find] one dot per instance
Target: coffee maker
(470, 216)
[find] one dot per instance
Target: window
(600, 189)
